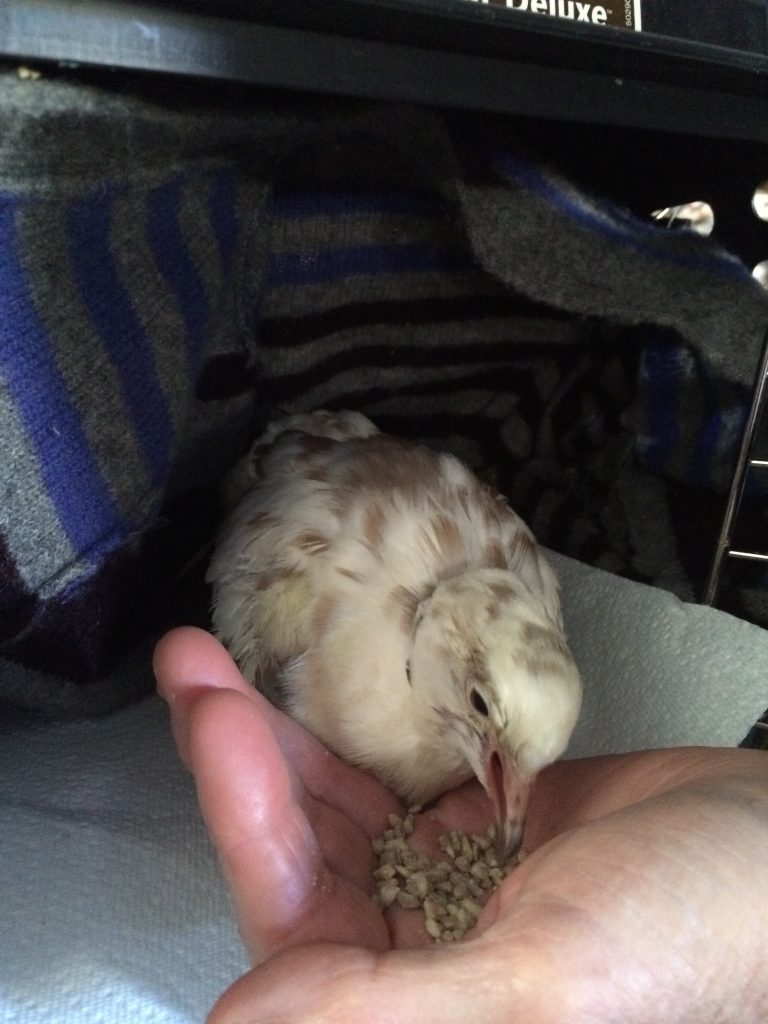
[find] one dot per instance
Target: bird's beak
(508, 790)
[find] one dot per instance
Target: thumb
(245, 789)
(342, 985)
(283, 890)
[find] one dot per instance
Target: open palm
(637, 893)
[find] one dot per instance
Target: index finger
(189, 661)
(283, 890)
(571, 793)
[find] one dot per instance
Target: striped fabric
(171, 278)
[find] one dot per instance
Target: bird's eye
(478, 703)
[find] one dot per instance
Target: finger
(186, 662)
(283, 891)
(353, 793)
(346, 848)
(189, 660)
(467, 808)
(571, 793)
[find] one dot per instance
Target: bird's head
(492, 665)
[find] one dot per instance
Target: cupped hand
(639, 903)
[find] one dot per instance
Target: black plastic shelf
(448, 53)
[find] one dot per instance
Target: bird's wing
(525, 559)
(327, 497)
(281, 517)
(331, 507)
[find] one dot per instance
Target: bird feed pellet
(451, 892)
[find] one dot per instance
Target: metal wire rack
(744, 465)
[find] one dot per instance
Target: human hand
(639, 902)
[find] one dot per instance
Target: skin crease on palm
(639, 903)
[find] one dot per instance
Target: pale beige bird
(399, 609)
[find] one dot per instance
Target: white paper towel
(113, 909)
(658, 672)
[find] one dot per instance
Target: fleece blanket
(174, 274)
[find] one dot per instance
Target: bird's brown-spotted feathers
(337, 535)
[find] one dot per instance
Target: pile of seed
(451, 892)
